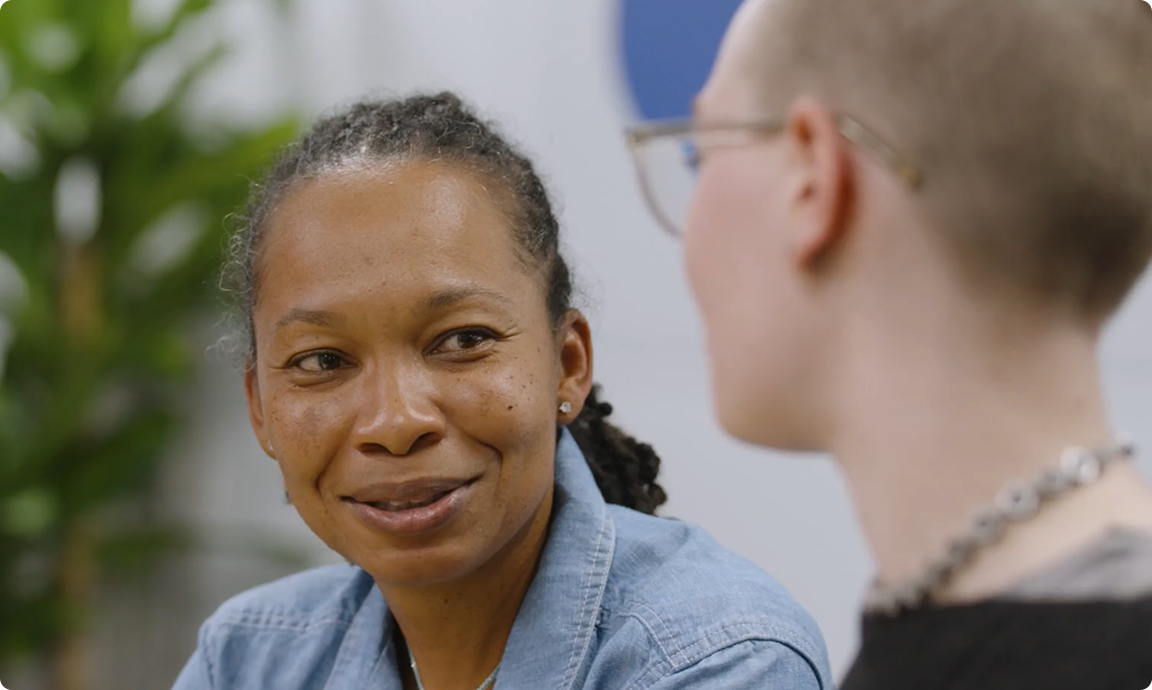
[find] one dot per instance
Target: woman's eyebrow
(327, 319)
(447, 298)
(438, 301)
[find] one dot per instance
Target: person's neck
(457, 630)
(934, 428)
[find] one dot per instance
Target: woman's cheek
(522, 419)
(503, 409)
(311, 430)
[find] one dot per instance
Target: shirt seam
(706, 645)
(587, 627)
(668, 635)
(208, 656)
(281, 624)
(651, 678)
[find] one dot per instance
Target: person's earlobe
(821, 195)
(575, 365)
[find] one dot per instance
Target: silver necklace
(1016, 503)
(420, 685)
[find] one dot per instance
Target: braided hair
(441, 127)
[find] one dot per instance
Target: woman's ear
(575, 364)
(256, 409)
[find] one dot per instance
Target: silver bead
(961, 549)
(988, 527)
(1080, 464)
(1052, 483)
(1125, 446)
(1089, 470)
(1018, 502)
(936, 572)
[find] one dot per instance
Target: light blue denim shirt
(621, 601)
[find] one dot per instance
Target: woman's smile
(411, 507)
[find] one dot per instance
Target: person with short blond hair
(910, 221)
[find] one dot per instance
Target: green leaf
(187, 11)
(28, 514)
(117, 467)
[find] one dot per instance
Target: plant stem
(70, 667)
(80, 311)
(80, 293)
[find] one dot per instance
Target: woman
(417, 371)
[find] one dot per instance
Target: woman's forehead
(400, 223)
(398, 234)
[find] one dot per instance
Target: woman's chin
(425, 567)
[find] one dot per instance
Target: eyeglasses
(666, 155)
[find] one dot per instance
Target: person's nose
(399, 416)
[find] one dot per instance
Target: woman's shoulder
(329, 595)
(660, 560)
(692, 595)
(285, 634)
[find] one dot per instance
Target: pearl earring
(565, 407)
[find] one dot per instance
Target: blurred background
(133, 497)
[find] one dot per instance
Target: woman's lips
(410, 508)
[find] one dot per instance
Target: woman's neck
(932, 432)
(457, 630)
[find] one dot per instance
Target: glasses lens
(669, 168)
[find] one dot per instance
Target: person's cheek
(701, 251)
(513, 412)
(309, 441)
(312, 428)
(498, 403)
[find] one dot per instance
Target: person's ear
(256, 409)
(575, 365)
(820, 191)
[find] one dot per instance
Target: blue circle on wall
(668, 47)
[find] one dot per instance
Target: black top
(1003, 645)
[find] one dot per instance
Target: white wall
(548, 71)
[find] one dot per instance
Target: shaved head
(1030, 119)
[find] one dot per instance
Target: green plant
(113, 218)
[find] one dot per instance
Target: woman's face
(407, 375)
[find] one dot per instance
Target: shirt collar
(370, 631)
(551, 641)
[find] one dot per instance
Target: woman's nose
(400, 416)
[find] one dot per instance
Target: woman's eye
(319, 362)
(462, 341)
